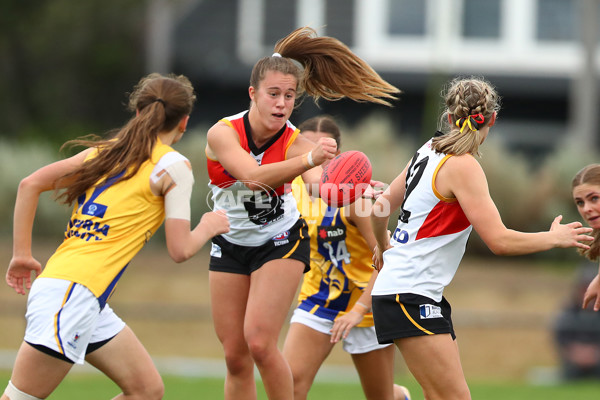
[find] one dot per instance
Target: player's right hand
(326, 149)
(216, 222)
(19, 272)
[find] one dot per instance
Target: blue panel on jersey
(94, 209)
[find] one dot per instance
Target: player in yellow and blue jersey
(335, 298)
(122, 188)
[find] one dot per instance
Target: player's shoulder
(222, 132)
(172, 157)
(461, 169)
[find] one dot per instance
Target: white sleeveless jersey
(429, 241)
(255, 216)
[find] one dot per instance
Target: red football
(345, 178)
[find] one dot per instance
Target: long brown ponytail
(331, 70)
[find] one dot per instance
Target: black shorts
(292, 244)
(404, 315)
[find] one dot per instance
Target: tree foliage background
(64, 64)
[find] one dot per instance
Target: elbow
(179, 242)
(255, 180)
(499, 249)
(372, 215)
(179, 258)
(29, 184)
(180, 255)
(379, 211)
(253, 185)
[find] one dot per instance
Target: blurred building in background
(539, 53)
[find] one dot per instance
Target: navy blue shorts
(293, 244)
(406, 314)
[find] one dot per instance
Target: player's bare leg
(443, 379)
(271, 295)
(229, 295)
(125, 360)
(37, 374)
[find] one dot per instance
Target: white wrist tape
(309, 159)
(15, 394)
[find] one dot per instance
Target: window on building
(279, 17)
(557, 20)
(406, 17)
(481, 19)
(340, 17)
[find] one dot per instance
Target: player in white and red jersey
(255, 269)
(441, 193)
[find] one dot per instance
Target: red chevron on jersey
(444, 219)
(275, 150)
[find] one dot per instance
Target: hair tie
(161, 101)
(474, 122)
(276, 55)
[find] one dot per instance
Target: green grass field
(168, 305)
(98, 387)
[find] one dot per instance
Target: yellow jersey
(340, 259)
(109, 225)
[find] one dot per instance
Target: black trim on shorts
(407, 314)
(96, 345)
(51, 352)
(293, 244)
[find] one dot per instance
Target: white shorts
(65, 316)
(359, 340)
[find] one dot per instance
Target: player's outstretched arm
(465, 178)
(183, 243)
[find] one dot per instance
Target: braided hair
(470, 104)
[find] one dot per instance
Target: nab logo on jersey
(331, 233)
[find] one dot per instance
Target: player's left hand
(375, 189)
(571, 234)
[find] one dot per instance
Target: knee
(155, 391)
(260, 349)
(463, 393)
(301, 386)
(148, 389)
(238, 362)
